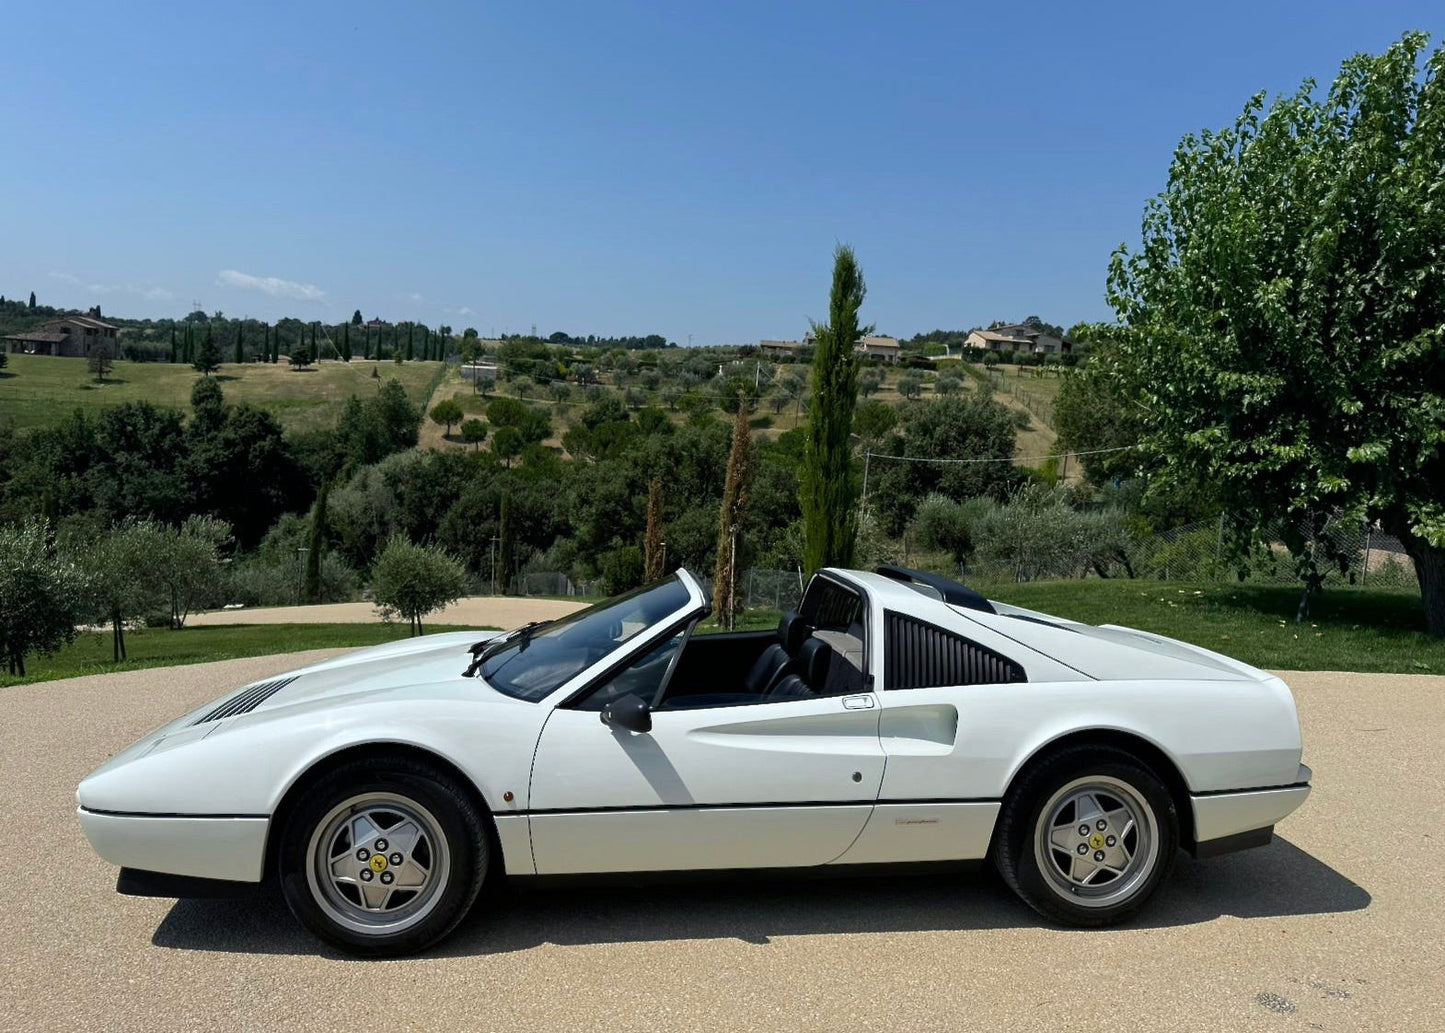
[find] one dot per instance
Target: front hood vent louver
(245, 701)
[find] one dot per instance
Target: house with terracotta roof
(1019, 337)
(885, 348)
(68, 336)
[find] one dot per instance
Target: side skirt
(808, 873)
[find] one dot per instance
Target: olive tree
(1283, 320)
(42, 594)
(411, 581)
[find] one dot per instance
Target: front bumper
(1236, 820)
(204, 847)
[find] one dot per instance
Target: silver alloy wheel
(1097, 841)
(377, 863)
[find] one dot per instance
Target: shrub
(412, 581)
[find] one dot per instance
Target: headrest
(813, 658)
(792, 630)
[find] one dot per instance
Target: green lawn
(162, 647)
(1348, 629)
(40, 389)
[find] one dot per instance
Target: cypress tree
(730, 515)
(346, 342)
(240, 342)
(316, 543)
(826, 490)
(366, 346)
(173, 344)
(652, 544)
(410, 330)
(508, 544)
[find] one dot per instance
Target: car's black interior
(815, 652)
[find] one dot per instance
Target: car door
(766, 784)
(939, 799)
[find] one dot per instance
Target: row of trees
(51, 583)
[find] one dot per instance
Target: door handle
(859, 702)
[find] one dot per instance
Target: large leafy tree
(827, 492)
(1284, 316)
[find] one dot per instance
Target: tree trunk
(1430, 570)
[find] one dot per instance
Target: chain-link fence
(1342, 553)
(1208, 550)
(1198, 552)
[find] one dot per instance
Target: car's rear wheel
(1087, 837)
(383, 857)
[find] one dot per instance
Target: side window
(835, 614)
(917, 655)
(641, 678)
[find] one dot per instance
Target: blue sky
(617, 168)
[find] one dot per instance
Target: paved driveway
(1336, 926)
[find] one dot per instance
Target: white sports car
(897, 717)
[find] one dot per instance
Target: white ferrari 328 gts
(896, 717)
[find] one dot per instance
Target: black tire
(1033, 866)
(366, 794)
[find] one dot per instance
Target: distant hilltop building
(71, 336)
(779, 349)
(1019, 337)
(885, 348)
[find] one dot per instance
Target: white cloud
(272, 285)
(416, 297)
(151, 293)
(465, 311)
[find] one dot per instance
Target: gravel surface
(1335, 926)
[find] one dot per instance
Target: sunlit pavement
(1336, 926)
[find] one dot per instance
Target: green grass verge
(162, 647)
(38, 390)
(1348, 629)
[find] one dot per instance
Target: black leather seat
(808, 676)
(768, 668)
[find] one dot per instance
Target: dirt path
(475, 611)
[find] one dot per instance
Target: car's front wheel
(383, 858)
(1087, 837)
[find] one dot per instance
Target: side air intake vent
(246, 700)
(919, 656)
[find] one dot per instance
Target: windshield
(533, 667)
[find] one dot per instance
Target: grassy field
(39, 389)
(1347, 629)
(162, 647)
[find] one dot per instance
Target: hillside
(36, 390)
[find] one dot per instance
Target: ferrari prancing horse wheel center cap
(378, 863)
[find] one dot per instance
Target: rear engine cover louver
(245, 701)
(919, 656)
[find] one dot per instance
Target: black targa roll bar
(948, 590)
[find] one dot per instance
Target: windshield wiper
(487, 648)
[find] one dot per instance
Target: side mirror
(629, 712)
